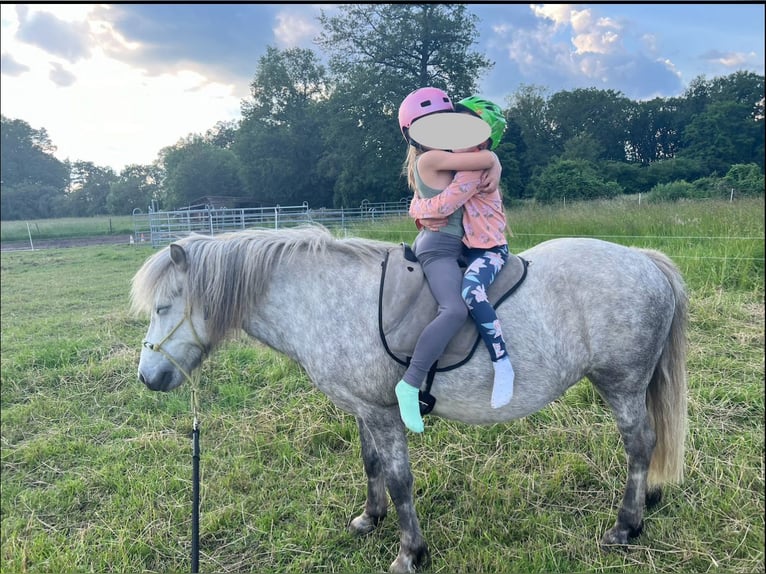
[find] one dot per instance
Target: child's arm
(439, 160)
(464, 186)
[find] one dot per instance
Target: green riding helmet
(489, 112)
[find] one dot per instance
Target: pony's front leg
(376, 507)
(387, 437)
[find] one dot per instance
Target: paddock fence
(162, 227)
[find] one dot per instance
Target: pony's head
(177, 340)
(201, 288)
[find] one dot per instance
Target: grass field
(96, 470)
(65, 228)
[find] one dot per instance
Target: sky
(113, 84)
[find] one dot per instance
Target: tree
(722, 121)
(32, 181)
(379, 53)
(510, 153)
(280, 141)
(88, 189)
(652, 131)
(222, 134)
(600, 114)
(528, 111)
(136, 187)
(403, 47)
(198, 169)
(724, 134)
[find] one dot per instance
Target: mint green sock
(409, 406)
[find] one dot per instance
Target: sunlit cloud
(732, 60)
(294, 29)
(57, 89)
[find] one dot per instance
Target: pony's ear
(178, 256)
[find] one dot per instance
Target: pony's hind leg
(385, 451)
(377, 502)
(639, 440)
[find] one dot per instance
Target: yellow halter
(192, 378)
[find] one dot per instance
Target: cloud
(222, 42)
(732, 60)
(67, 40)
(10, 67)
(560, 14)
(111, 107)
(61, 76)
(294, 29)
(574, 48)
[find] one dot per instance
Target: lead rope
(193, 379)
(195, 477)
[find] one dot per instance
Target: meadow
(66, 227)
(96, 470)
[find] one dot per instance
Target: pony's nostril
(141, 377)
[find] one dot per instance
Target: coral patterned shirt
(484, 220)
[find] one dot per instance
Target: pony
(588, 308)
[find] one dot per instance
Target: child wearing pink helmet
(428, 121)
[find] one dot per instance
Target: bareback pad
(406, 306)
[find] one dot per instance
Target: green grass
(66, 227)
(96, 470)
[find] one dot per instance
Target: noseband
(157, 347)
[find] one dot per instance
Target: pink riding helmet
(420, 103)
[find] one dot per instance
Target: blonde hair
(408, 169)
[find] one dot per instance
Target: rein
(193, 380)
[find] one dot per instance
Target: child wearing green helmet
(485, 245)
(432, 172)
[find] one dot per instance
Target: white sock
(502, 389)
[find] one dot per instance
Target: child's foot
(502, 389)
(409, 406)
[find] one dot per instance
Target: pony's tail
(667, 394)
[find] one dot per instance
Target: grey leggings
(438, 254)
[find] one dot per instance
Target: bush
(711, 187)
(673, 191)
(745, 179)
(572, 180)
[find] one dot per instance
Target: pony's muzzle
(162, 382)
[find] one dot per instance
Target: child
(484, 224)
(429, 172)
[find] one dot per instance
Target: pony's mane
(227, 271)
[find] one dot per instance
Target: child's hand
(431, 223)
(490, 179)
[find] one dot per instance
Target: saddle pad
(406, 306)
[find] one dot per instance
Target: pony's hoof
(364, 524)
(617, 538)
(406, 564)
(401, 565)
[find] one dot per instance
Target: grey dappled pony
(588, 308)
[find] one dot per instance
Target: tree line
(328, 133)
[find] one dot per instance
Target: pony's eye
(162, 309)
